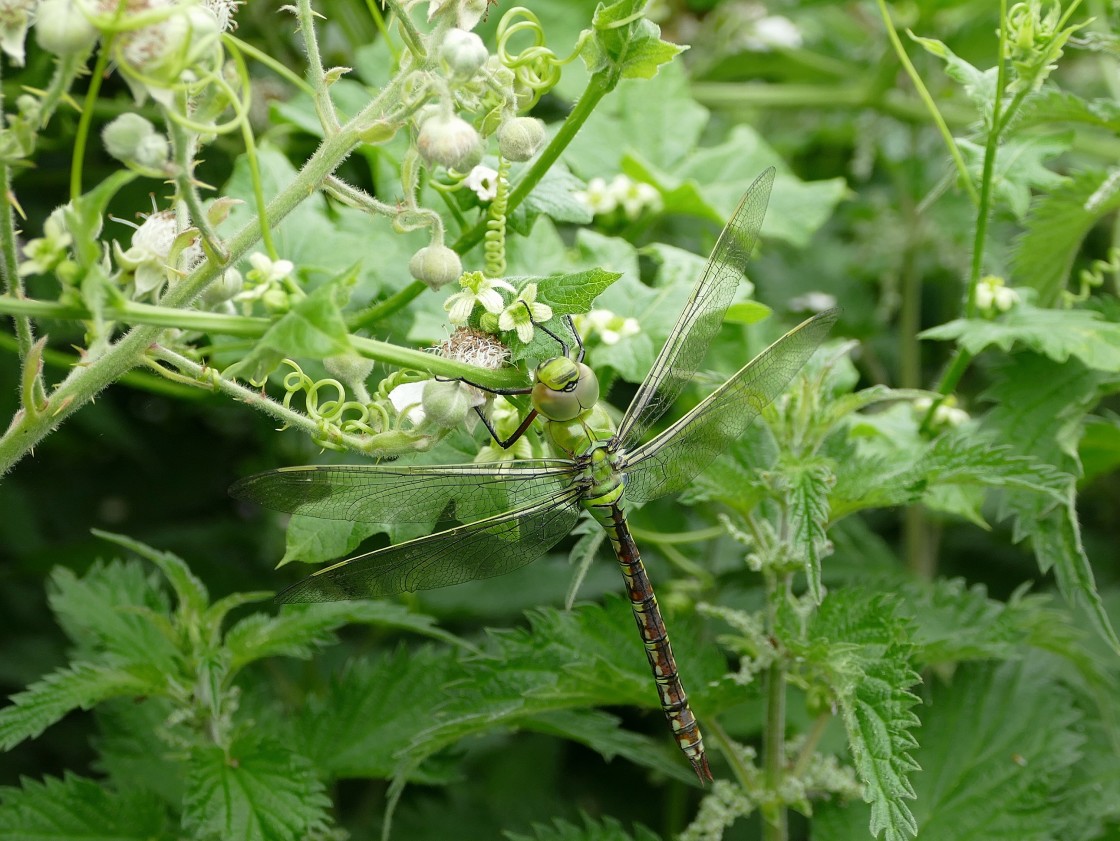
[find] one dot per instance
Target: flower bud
(449, 141)
(520, 138)
(445, 403)
(463, 52)
(133, 140)
(225, 287)
(62, 29)
(435, 265)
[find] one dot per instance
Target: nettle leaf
(131, 748)
(1058, 334)
(624, 44)
(810, 482)
(1056, 227)
(81, 685)
(373, 710)
(313, 328)
(299, 630)
(998, 744)
(188, 587)
(859, 645)
(75, 807)
(257, 791)
(1019, 166)
(1053, 106)
(98, 611)
(607, 829)
(1040, 407)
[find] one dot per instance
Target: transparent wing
(490, 547)
(668, 462)
(370, 493)
(685, 348)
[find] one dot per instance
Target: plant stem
(775, 819)
(594, 92)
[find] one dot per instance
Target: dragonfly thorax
(565, 389)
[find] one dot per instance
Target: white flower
(465, 13)
(406, 399)
(993, 296)
(267, 270)
(15, 17)
(149, 253)
(812, 302)
(477, 289)
(773, 32)
(484, 181)
(598, 197)
(522, 313)
(635, 196)
(610, 327)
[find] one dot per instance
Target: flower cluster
(993, 296)
(634, 197)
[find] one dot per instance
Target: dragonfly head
(565, 389)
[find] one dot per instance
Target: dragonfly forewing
(369, 493)
(667, 463)
(489, 547)
(688, 342)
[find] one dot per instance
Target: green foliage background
(967, 574)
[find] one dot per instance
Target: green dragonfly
(595, 467)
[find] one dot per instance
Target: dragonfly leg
(508, 442)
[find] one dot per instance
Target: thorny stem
(324, 108)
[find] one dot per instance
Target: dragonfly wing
(489, 547)
(373, 493)
(668, 462)
(688, 342)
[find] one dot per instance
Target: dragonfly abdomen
(655, 638)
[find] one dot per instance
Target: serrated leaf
(553, 196)
(131, 751)
(979, 85)
(301, 629)
(313, 540)
(78, 808)
(859, 646)
(1056, 227)
(374, 709)
(79, 686)
(257, 791)
(810, 482)
(98, 612)
(606, 829)
(1052, 106)
(1019, 169)
(1058, 334)
(187, 586)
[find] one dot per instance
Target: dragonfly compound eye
(565, 389)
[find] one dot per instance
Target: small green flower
(477, 289)
(522, 313)
(45, 253)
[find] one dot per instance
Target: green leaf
(1055, 229)
(299, 630)
(978, 85)
(78, 808)
(1040, 407)
(554, 196)
(1058, 334)
(607, 829)
(313, 540)
(810, 481)
(624, 44)
(859, 646)
(997, 745)
(1048, 107)
(312, 329)
(131, 748)
(569, 294)
(187, 586)
(79, 686)
(1019, 169)
(99, 612)
(257, 791)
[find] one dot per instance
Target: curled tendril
(1093, 277)
(334, 416)
(495, 244)
(536, 68)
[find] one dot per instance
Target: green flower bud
(224, 288)
(445, 403)
(133, 140)
(435, 265)
(276, 300)
(488, 322)
(520, 138)
(449, 141)
(464, 53)
(62, 29)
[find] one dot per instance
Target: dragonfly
(510, 513)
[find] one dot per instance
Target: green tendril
(1093, 277)
(536, 68)
(333, 417)
(495, 241)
